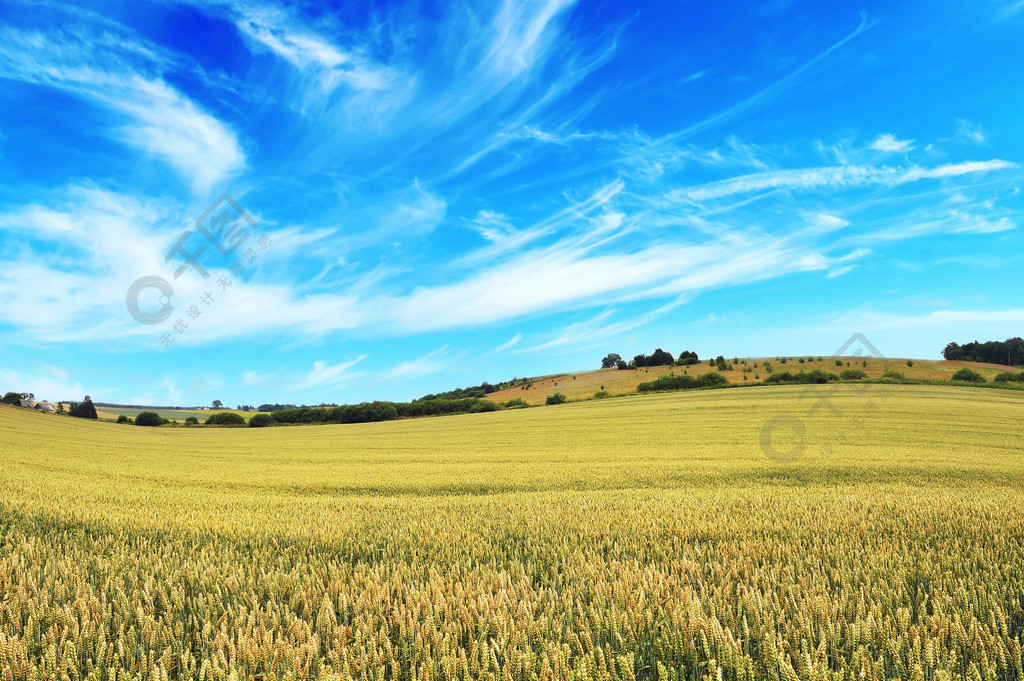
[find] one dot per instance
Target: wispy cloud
(46, 383)
(150, 115)
(509, 344)
(324, 374)
(804, 179)
(421, 366)
(969, 131)
(889, 144)
(590, 332)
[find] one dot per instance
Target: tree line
(658, 358)
(1009, 352)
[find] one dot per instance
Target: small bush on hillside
(123, 418)
(602, 394)
(149, 418)
(517, 403)
(557, 398)
(894, 375)
(226, 418)
(815, 376)
(968, 376)
(853, 375)
(191, 421)
(910, 362)
(1010, 376)
(801, 360)
(712, 380)
(261, 421)
(839, 362)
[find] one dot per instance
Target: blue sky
(447, 194)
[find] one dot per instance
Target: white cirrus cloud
(324, 374)
(890, 144)
(836, 177)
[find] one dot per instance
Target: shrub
(684, 382)
(149, 418)
(910, 362)
(226, 418)
(191, 421)
(481, 406)
(261, 421)
(839, 362)
(853, 375)
(557, 398)
(602, 394)
(712, 380)
(815, 376)
(894, 375)
(968, 376)
(123, 418)
(1010, 376)
(782, 361)
(517, 403)
(801, 360)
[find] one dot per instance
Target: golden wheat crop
(636, 538)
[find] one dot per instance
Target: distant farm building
(46, 406)
(29, 404)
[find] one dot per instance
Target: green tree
(217, 404)
(149, 418)
(610, 360)
(261, 421)
(557, 398)
(226, 418)
(84, 410)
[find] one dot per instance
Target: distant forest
(1009, 352)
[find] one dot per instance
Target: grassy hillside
(172, 414)
(582, 385)
(639, 538)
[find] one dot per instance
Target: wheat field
(646, 537)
